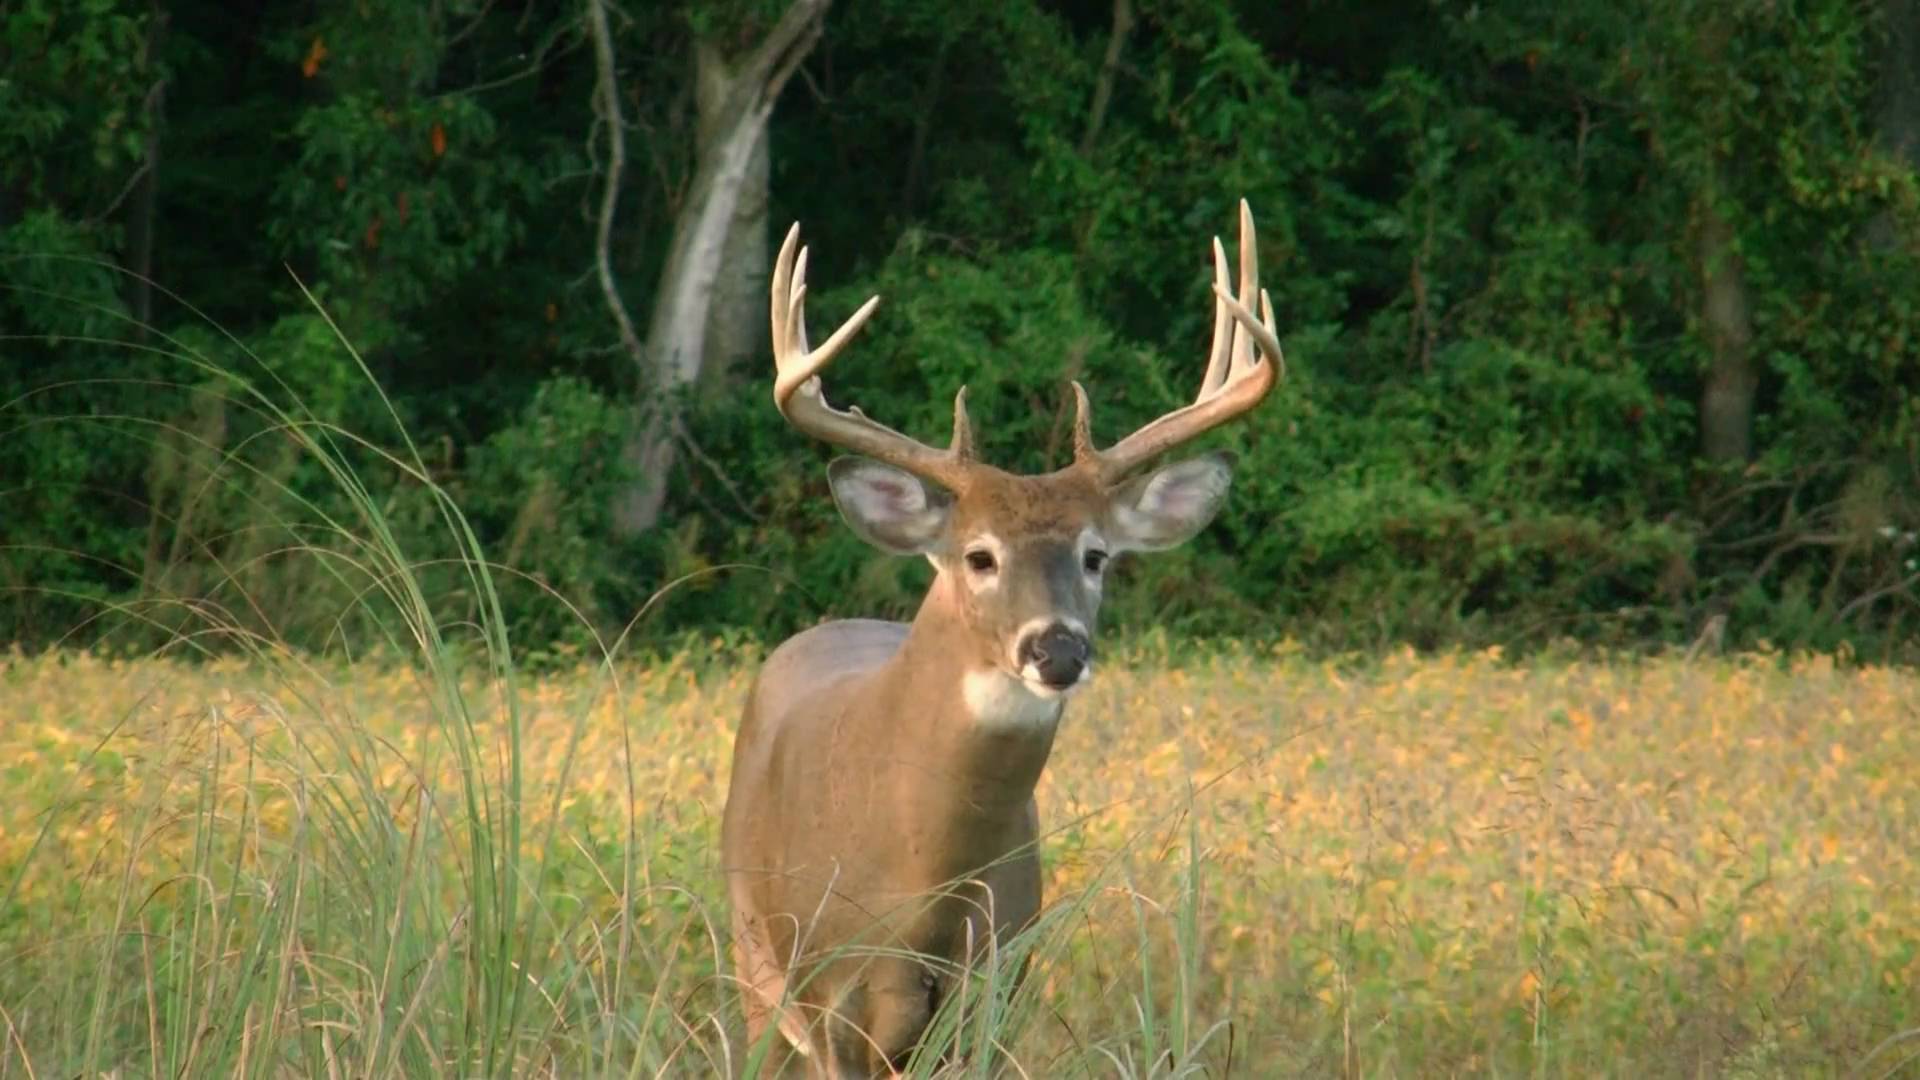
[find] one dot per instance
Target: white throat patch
(998, 700)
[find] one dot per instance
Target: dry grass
(1404, 867)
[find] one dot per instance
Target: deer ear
(888, 507)
(1166, 507)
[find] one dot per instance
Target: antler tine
(1263, 329)
(798, 394)
(1224, 336)
(1242, 366)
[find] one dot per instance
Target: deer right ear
(888, 507)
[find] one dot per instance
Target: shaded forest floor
(1408, 866)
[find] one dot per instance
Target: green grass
(1256, 863)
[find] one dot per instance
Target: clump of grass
(241, 873)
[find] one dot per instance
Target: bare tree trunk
(736, 318)
(140, 210)
(1726, 398)
(1109, 74)
(676, 346)
(1123, 20)
(923, 120)
(1726, 394)
(1898, 116)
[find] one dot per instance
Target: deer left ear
(1167, 507)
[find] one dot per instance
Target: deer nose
(1057, 654)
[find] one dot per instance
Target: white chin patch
(996, 699)
(1030, 676)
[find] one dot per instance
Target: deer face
(1022, 560)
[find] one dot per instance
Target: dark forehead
(1018, 507)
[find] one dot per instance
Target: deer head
(1022, 560)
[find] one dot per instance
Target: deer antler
(797, 390)
(1237, 377)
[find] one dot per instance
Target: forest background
(1602, 318)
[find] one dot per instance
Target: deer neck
(979, 737)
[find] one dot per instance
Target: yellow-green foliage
(1407, 867)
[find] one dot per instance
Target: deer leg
(878, 1022)
(763, 989)
(1014, 887)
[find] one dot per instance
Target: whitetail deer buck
(883, 776)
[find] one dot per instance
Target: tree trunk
(737, 317)
(677, 345)
(138, 258)
(1726, 398)
(1898, 112)
(1109, 74)
(1726, 394)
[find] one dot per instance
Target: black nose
(1058, 653)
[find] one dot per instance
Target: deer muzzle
(1057, 656)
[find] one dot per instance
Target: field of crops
(1268, 866)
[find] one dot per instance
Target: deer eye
(1095, 561)
(980, 561)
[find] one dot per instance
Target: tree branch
(785, 46)
(557, 44)
(1109, 73)
(150, 105)
(473, 24)
(606, 106)
(1861, 603)
(713, 467)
